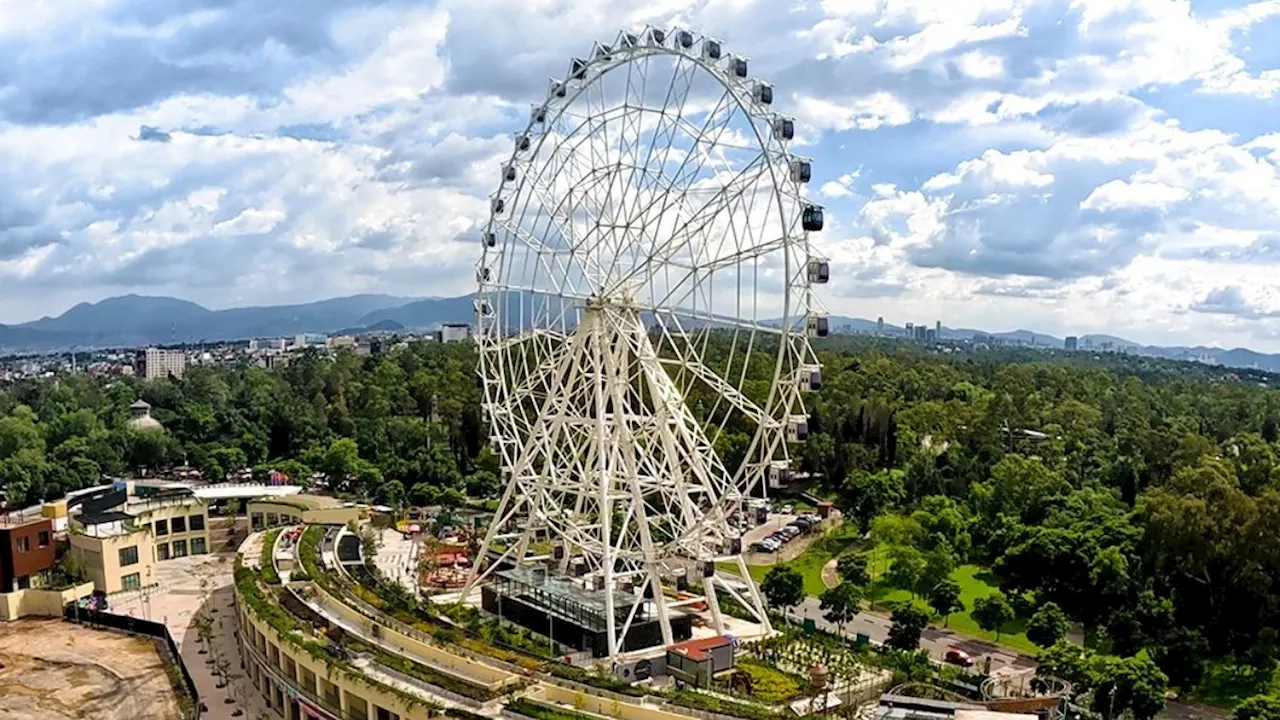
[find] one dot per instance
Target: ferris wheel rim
(620, 58)
(566, 95)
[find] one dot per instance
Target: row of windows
(273, 520)
(178, 548)
(24, 542)
(180, 525)
(164, 551)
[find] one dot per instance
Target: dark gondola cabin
(738, 67)
(819, 271)
(811, 219)
(784, 129)
(489, 239)
(801, 171)
(711, 49)
(764, 94)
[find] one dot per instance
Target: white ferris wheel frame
(603, 455)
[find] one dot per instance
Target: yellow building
(180, 526)
(119, 544)
(302, 509)
(116, 555)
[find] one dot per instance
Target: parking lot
(787, 551)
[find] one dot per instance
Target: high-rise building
(931, 335)
(922, 332)
(937, 330)
(453, 332)
(153, 363)
(910, 330)
(880, 326)
(1069, 344)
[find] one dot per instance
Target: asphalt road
(934, 640)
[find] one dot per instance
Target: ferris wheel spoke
(650, 230)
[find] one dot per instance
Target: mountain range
(135, 320)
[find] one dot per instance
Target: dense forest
(403, 428)
(1141, 497)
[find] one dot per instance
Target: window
(128, 556)
(179, 548)
(197, 522)
(197, 546)
(131, 582)
(162, 551)
(179, 524)
(256, 520)
(162, 527)
(44, 538)
(272, 519)
(24, 544)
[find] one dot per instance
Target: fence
(73, 613)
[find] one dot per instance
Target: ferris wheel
(643, 319)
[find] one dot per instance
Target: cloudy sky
(1068, 166)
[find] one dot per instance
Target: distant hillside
(428, 313)
(134, 320)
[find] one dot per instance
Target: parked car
(956, 656)
(803, 524)
(768, 545)
(791, 530)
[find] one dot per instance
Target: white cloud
(1071, 165)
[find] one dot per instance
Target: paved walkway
(397, 558)
(186, 586)
(830, 577)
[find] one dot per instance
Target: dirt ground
(53, 670)
(184, 587)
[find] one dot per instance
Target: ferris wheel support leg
(713, 604)
(504, 511)
(760, 611)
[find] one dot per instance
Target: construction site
(54, 670)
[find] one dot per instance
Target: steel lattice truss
(643, 317)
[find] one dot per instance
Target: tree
(944, 598)
(907, 566)
(1259, 707)
(841, 604)
(992, 613)
(1183, 655)
(908, 625)
(783, 586)
(1047, 626)
(853, 568)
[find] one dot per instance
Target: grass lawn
(975, 582)
(843, 538)
(1225, 685)
(771, 685)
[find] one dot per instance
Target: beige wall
(300, 515)
(463, 668)
(314, 675)
(101, 558)
(45, 603)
